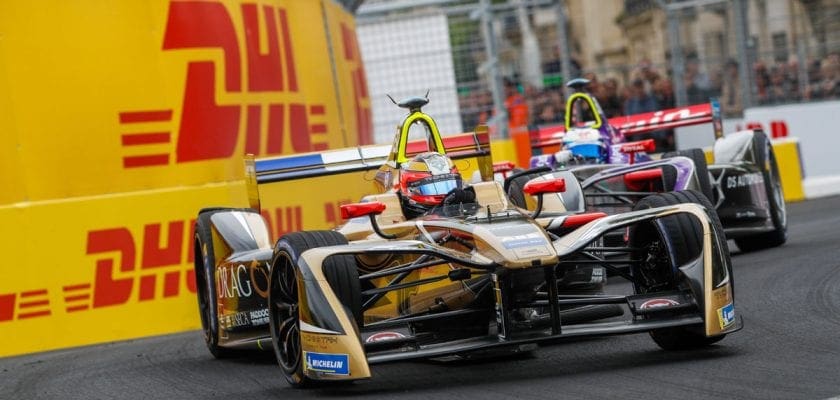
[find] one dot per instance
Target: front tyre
(660, 271)
(205, 281)
(700, 167)
(765, 159)
(284, 296)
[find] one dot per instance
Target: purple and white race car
(743, 183)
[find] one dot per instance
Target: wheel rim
(283, 301)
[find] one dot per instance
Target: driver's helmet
(586, 145)
(425, 180)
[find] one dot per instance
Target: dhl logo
(208, 130)
(154, 263)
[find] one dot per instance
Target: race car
(473, 274)
(743, 183)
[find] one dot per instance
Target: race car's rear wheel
(284, 297)
(765, 159)
(515, 186)
(660, 270)
(205, 281)
(701, 168)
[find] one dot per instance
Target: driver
(429, 180)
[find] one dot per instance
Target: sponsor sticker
(336, 364)
(259, 317)
(384, 336)
(726, 315)
(656, 303)
(515, 242)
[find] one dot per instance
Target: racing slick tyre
(283, 300)
(205, 281)
(702, 168)
(765, 159)
(517, 183)
(660, 270)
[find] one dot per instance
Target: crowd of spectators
(649, 89)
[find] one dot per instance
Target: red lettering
(299, 128)
(332, 211)
(286, 219)
(189, 276)
(364, 125)
(170, 253)
(778, 129)
(754, 125)
(7, 307)
(208, 130)
(276, 127)
(107, 290)
(265, 72)
(288, 53)
(194, 24)
(252, 133)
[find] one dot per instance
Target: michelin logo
(336, 364)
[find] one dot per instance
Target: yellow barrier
(790, 168)
(121, 119)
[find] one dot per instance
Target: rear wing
(364, 158)
(644, 123)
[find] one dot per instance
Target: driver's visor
(435, 185)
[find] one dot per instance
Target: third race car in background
(742, 183)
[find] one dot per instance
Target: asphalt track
(789, 349)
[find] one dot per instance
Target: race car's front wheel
(660, 269)
(205, 281)
(765, 159)
(284, 297)
(701, 168)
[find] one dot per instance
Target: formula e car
(743, 183)
(466, 277)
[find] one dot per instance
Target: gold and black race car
(473, 274)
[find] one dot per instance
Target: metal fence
(508, 58)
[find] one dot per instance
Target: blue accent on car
(286, 163)
(588, 150)
(727, 314)
(336, 364)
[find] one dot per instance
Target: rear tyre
(205, 281)
(702, 168)
(515, 189)
(284, 299)
(660, 271)
(765, 159)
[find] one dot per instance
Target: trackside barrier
(113, 142)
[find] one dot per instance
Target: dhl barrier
(121, 119)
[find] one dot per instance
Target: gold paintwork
(713, 297)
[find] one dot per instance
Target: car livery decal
(336, 364)
(384, 336)
(726, 315)
(656, 303)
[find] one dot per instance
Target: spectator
(781, 88)
(609, 99)
(638, 101)
(762, 81)
(663, 90)
(517, 107)
(731, 97)
(697, 84)
(828, 86)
